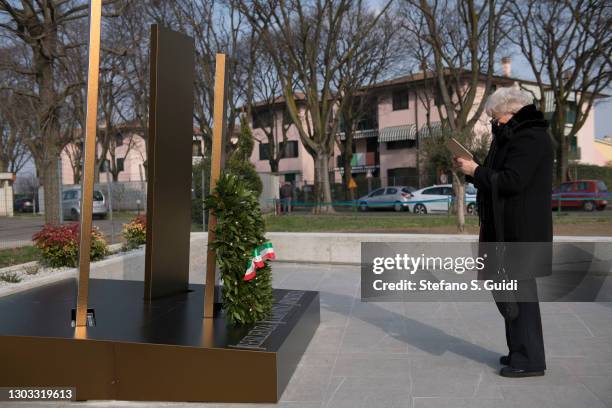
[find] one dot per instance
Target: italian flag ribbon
(260, 254)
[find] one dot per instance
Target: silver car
(71, 204)
(395, 197)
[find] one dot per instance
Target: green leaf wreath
(240, 228)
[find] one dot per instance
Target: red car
(586, 194)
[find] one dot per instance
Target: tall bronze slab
(169, 163)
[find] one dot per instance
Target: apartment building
(404, 110)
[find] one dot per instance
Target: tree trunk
(562, 154)
(459, 189)
(347, 157)
(322, 185)
(76, 175)
(274, 166)
(50, 180)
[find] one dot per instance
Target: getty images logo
(411, 264)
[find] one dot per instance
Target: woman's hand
(467, 167)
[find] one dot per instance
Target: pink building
(404, 109)
(127, 155)
(385, 145)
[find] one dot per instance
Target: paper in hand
(458, 150)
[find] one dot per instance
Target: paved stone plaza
(437, 355)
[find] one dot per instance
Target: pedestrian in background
(286, 193)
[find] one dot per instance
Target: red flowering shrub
(59, 244)
(135, 232)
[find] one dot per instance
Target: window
(291, 149)
(570, 113)
(97, 196)
(566, 187)
(290, 178)
(70, 195)
(400, 99)
(371, 144)
(402, 176)
(105, 165)
(196, 148)
(120, 165)
(264, 153)
(433, 191)
(391, 191)
(447, 191)
(601, 187)
(262, 119)
(378, 192)
(118, 139)
(401, 144)
(438, 100)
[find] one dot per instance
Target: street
(18, 230)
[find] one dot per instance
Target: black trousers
(524, 334)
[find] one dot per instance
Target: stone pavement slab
(428, 355)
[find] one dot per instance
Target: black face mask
(501, 131)
(495, 126)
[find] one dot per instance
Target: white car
(438, 198)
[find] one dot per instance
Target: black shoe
(504, 360)
(512, 372)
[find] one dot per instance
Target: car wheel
(363, 207)
(74, 215)
(588, 206)
(601, 208)
(420, 209)
(398, 207)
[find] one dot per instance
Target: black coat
(522, 154)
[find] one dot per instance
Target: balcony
(361, 134)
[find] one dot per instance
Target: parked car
(438, 198)
(23, 204)
(71, 204)
(395, 197)
(586, 194)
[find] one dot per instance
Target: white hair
(507, 100)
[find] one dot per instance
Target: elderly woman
(518, 172)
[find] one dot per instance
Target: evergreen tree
(239, 163)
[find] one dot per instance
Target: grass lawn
(565, 224)
(15, 256)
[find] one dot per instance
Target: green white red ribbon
(260, 255)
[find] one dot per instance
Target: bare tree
(568, 46)
(376, 56)
(14, 153)
(40, 26)
(308, 59)
(457, 43)
(201, 20)
(268, 104)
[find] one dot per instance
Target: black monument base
(162, 350)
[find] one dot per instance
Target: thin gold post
(95, 16)
(215, 171)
